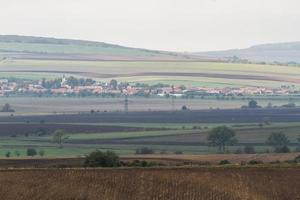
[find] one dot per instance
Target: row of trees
(29, 152)
(59, 137)
(220, 137)
(71, 81)
(111, 159)
(223, 136)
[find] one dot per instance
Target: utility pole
(126, 103)
(173, 98)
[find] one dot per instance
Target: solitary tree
(114, 84)
(41, 152)
(253, 104)
(222, 136)
(59, 137)
(31, 152)
(7, 108)
(184, 107)
(279, 142)
(7, 155)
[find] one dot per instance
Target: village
(71, 86)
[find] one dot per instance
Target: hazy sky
(181, 25)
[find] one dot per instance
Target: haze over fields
(276, 52)
(149, 99)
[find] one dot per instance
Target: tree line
(223, 136)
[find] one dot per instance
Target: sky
(175, 25)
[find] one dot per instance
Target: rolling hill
(27, 47)
(277, 52)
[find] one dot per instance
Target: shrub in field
(224, 162)
(42, 153)
(255, 162)
(41, 132)
(31, 152)
(178, 152)
(7, 155)
(144, 150)
(102, 159)
(142, 163)
(197, 127)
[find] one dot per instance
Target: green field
(183, 137)
(71, 49)
(42, 47)
(215, 74)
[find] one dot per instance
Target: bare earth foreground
(257, 183)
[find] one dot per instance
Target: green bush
(7, 155)
(255, 162)
(224, 162)
(102, 159)
(140, 163)
(31, 152)
(178, 152)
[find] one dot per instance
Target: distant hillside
(278, 52)
(14, 46)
